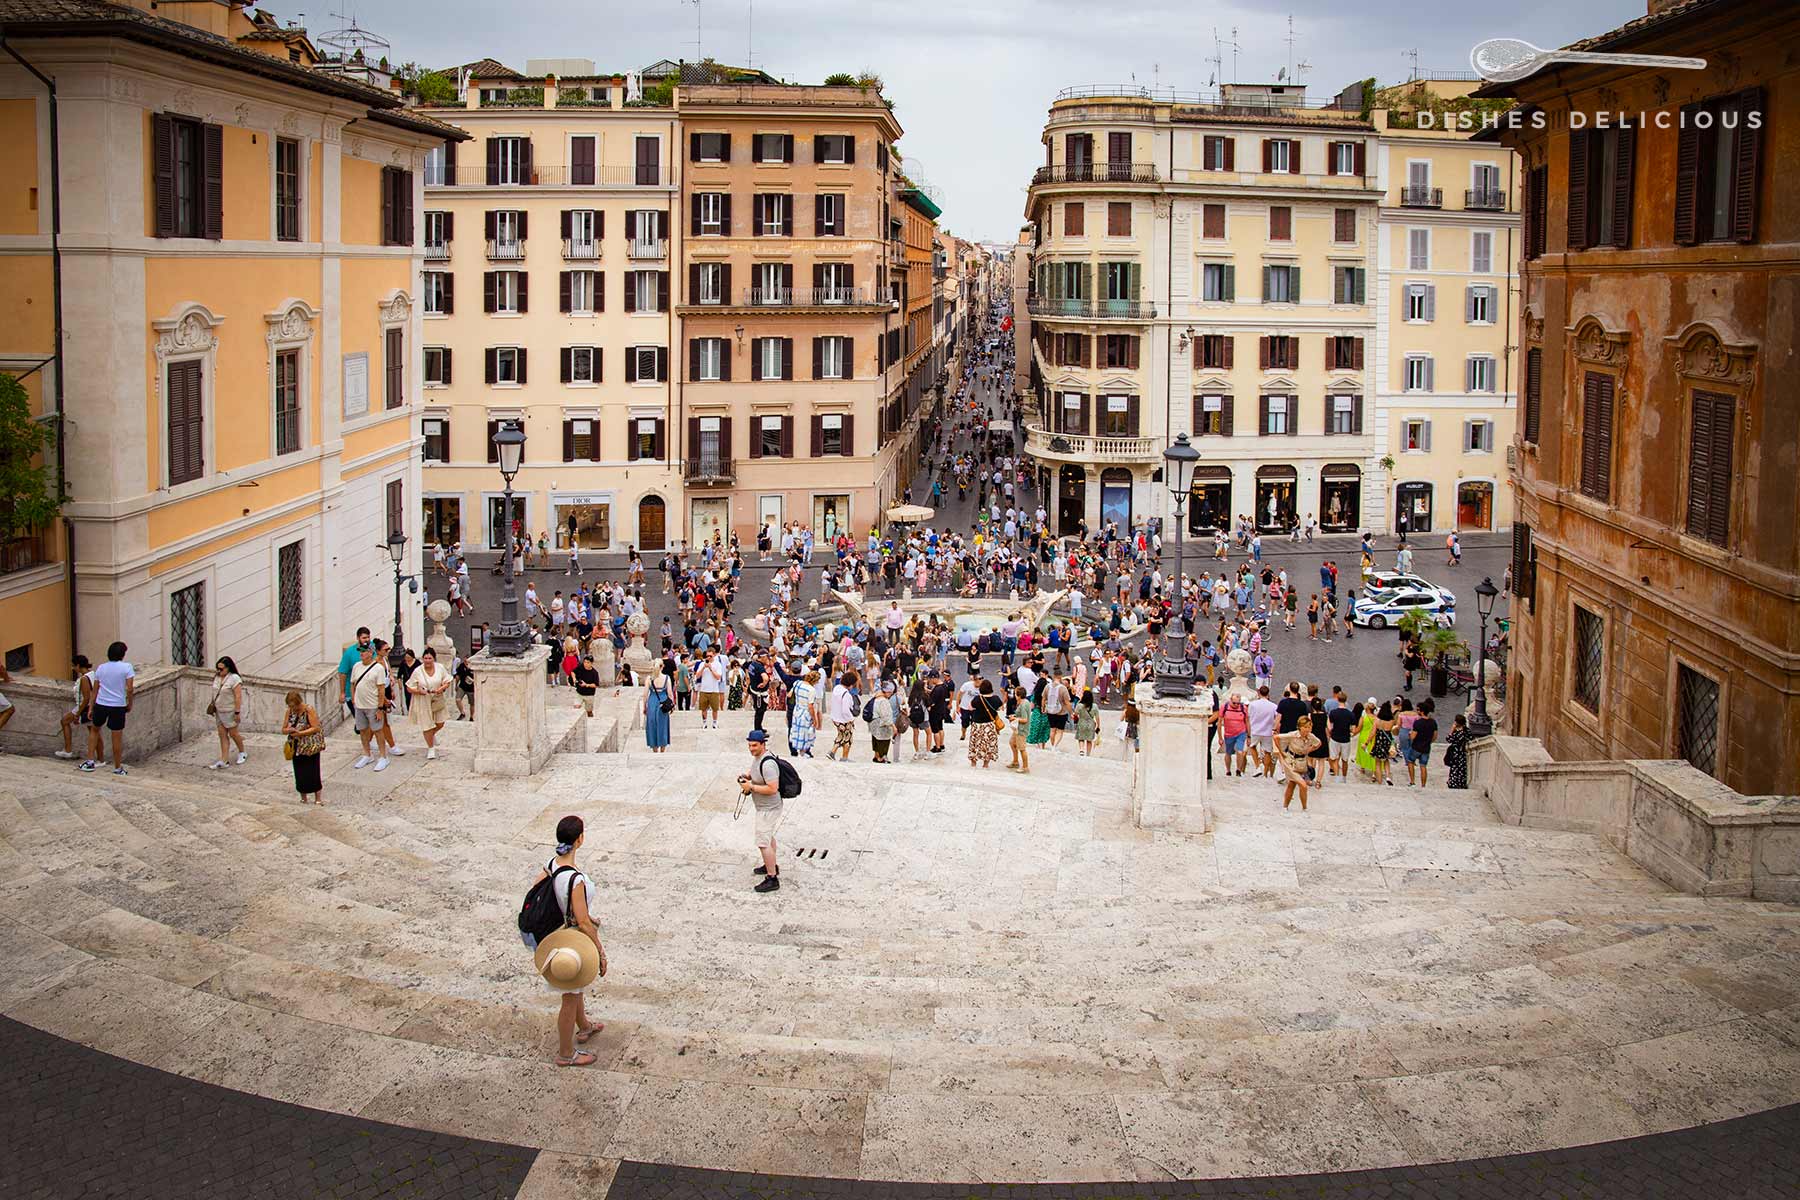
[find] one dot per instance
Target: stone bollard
(1168, 778)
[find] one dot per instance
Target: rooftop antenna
(699, 54)
(1234, 54)
(1290, 43)
(1414, 55)
(1217, 60)
(750, 33)
(351, 39)
(1303, 67)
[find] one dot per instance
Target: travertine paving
(966, 975)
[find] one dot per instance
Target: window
(709, 213)
(1478, 437)
(396, 207)
(1343, 225)
(1277, 414)
(709, 283)
(769, 438)
(1349, 285)
(1481, 251)
(435, 285)
(287, 401)
(1418, 373)
(287, 190)
(438, 227)
(1212, 220)
(1119, 281)
(1421, 301)
(1218, 281)
(187, 626)
(581, 364)
(1716, 169)
(1484, 181)
(1696, 718)
(833, 358)
(437, 366)
(1118, 416)
(187, 422)
(1534, 393)
(1343, 158)
(582, 295)
(1118, 218)
(1415, 435)
(1418, 249)
(1524, 579)
(1711, 430)
(1073, 278)
(775, 214)
(831, 434)
(1590, 658)
(1212, 415)
(1216, 154)
(828, 214)
(581, 160)
(1119, 350)
(506, 292)
(1281, 223)
(648, 160)
(1600, 182)
(769, 358)
(290, 584)
(834, 148)
(1075, 219)
(1071, 349)
(771, 283)
(1535, 218)
(439, 167)
(1280, 353)
(1343, 414)
(709, 359)
(507, 365)
(189, 168)
(1212, 351)
(774, 148)
(1343, 353)
(508, 161)
(1596, 435)
(581, 439)
(1281, 285)
(581, 230)
(710, 147)
(394, 366)
(506, 233)
(646, 438)
(1479, 305)
(1281, 156)
(436, 432)
(646, 364)
(396, 506)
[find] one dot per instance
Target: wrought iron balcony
(506, 251)
(647, 248)
(1086, 448)
(1097, 173)
(1485, 199)
(1421, 197)
(1102, 310)
(806, 297)
(437, 251)
(584, 249)
(706, 470)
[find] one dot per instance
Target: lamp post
(509, 640)
(1175, 677)
(396, 550)
(1480, 724)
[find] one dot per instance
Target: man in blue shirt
(352, 656)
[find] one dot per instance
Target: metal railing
(1097, 173)
(586, 249)
(437, 251)
(647, 248)
(1484, 199)
(22, 553)
(805, 297)
(1120, 310)
(1081, 447)
(1421, 197)
(506, 250)
(475, 174)
(709, 468)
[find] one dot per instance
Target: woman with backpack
(883, 714)
(572, 891)
(659, 702)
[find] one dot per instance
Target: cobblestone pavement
(1749, 1158)
(75, 1122)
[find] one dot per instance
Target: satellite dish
(1281, 75)
(1212, 81)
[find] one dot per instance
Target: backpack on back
(787, 784)
(540, 915)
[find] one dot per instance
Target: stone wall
(1678, 823)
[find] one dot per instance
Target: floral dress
(984, 738)
(801, 732)
(734, 690)
(1456, 757)
(1087, 723)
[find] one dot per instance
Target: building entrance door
(1475, 505)
(1071, 500)
(1340, 498)
(652, 523)
(1412, 507)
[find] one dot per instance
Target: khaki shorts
(768, 820)
(710, 701)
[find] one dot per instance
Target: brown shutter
(662, 291)
(1268, 152)
(488, 284)
(818, 371)
(568, 434)
(631, 429)
(1700, 464)
(162, 142)
(787, 218)
(693, 283)
(444, 356)
(212, 181)
(818, 435)
(1331, 364)
(1356, 414)
(755, 431)
(693, 358)
(631, 364)
(524, 292)
(491, 371)
(563, 286)
(1293, 416)
(725, 214)
(1724, 425)
(694, 215)
(1231, 154)
(186, 422)
(1086, 425)
(493, 451)
(526, 174)
(1230, 347)
(1623, 175)
(1262, 353)
(1362, 158)
(599, 291)
(818, 205)
(524, 224)
(1328, 429)
(1578, 189)
(1745, 176)
(787, 358)
(1687, 178)
(661, 437)
(756, 215)
(630, 224)
(568, 217)
(1596, 435)
(522, 356)
(1356, 350)
(631, 291)
(787, 437)
(493, 161)
(1131, 414)
(566, 359)
(847, 436)
(693, 441)
(1534, 393)
(1225, 407)
(450, 162)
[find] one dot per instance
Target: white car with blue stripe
(1378, 610)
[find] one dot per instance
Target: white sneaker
(65, 754)
(241, 758)
(214, 766)
(397, 751)
(431, 753)
(381, 764)
(361, 762)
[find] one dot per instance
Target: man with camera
(763, 785)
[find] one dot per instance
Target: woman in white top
(227, 710)
(573, 893)
(430, 688)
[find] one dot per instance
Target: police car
(1380, 609)
(1389, 581)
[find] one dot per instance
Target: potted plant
(1436, 645)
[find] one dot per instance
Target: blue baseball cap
(756, 735)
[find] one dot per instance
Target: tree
(840, 79)
(1436, 644)
(29, 495)
(434, 87)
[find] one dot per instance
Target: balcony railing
(505, 250)
(703, 469)
(806, 297)
(1118, 310)
(1421, 197)
(1097, 173)
(1484, 199)
(22, 553)
(585, 249)
(552, 175)
(648, 248)
(437, 251)
(1079, 447)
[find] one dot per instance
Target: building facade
(241, 335)
(1203, 268)
(548, 295)
(1656, 565)
(1444, 369)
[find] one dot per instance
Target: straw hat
(568, 960)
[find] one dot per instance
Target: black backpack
(787, 784)
(541, 915)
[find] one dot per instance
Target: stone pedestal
(512, 736)
(1168, 778)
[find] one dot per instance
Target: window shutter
(787, 212)
(693, 147)
(1540, 210)
(1293, 415)
(493, 451)
(787, 278)
(1356, 409)
(1230, 154)
(1578, 189)
(725, 214)
(1268, 151)
(1262, 416)
(162, 140)
(563, 286)
(568, 217)
(1086, 426)
(631, 291)
(662, 291)
(787, 437)
(491, 369)
(818, 435)
(212, 168)
(848, 436)
(1131, 354)
(630, 224)
(521, 354)
(489, 280)
(787, 147)
(1603, 431)
(525, 171)
(450, 162)
(1330, 365)
(756, 360)
(694, 215)
(1715, 481)
(1745, 175)
(490, 224)
(1622, 181)
(1268, 274)
(1431, 302)
(524, 224)
(631, 364)
(1262, 351)
(725, 281)
(1534, 392)
(444, 357)
(567, 356)
(1425, 436)
(1469, 303)
(1359, 286)
(1230, 282)
(693, 283)
(756, 214)
(693, 440)
(1131, 411)
(694, 358)
(186, 421)
(1225, 411)
(524, 293)
(755, 423)
(818, 371)
(787, 358)
(725, 360)
(818, 200)
(660, 438)
(1293, 285)
(568, 430)
(1362, 158)
(1230, 344)
(493, 162)
(449, 296)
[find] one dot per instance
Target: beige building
(1444, 370)
(1202, 267)
(548, 295)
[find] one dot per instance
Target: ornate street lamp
(395, 547)
(1175, 677)
(1480, 724)
(509, 639)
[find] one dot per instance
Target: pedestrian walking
(370, 706)
(1456, 753)
(1294, 752)
(570, 959)
(305, 743)
(429, 686)
(763, 786)
(659, 702)
(226, 708)
(115, 688)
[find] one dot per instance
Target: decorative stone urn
(438, 612)
(1238, 664)
(637, 651)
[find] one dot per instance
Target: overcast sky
(971, 81)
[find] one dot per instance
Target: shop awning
(1203, 474)
(1277, 471)
(1340, 471)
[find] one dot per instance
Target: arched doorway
(1276, 488)
(1475, 504)
(1340, 497)
(1412, 507)
(1115, 497)
(1209, 500)
(1071, 499)
(653, 529)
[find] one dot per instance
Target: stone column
(512, 733)
(1168, 778)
